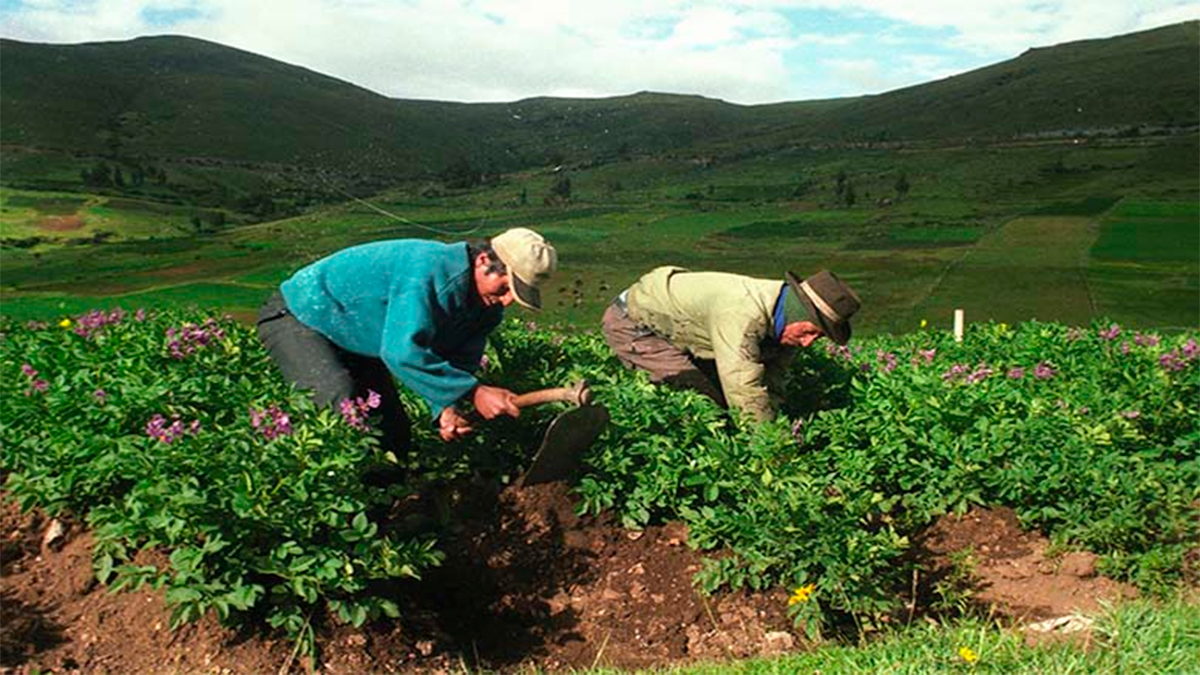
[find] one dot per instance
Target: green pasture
(1144, 263)
(1056, 232)
(237, 299)
(1033, 267)
(1148, 232)
(59, 217)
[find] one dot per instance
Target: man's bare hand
(452, 425)
(491, 402)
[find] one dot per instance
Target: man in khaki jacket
(676, 324)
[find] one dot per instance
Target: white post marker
(958, 325)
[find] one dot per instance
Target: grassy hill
(1112, 85)
(1071, 168)
(175, 97)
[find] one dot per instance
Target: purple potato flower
(1171, 361)
(355, 411)
(1146, 340)
(1190, 349)
(158, 429)
(186, 339)
(271, 422)
(798, 431)
(886, 359)
(960, 372)
(96, 320)
(981, 373)
(36, 384)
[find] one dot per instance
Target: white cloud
(863, 75)
(1168, 15)
(503, 50)
(1011, 26)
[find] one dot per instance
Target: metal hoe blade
(564, 443)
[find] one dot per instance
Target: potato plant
(1092, 434)
(172, 433)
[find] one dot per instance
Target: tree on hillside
(258, 203)
(843, 190)
(902, 186)
(99, 175)
(460, 174)
(803, 185)
(560, 191)
(839, 188)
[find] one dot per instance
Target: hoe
(568, 435)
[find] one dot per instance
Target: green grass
(1088, 206)
(1163, 241)
(1134, 637)
(1145, 263)
(1141, 231)
(237, 299)
(1033, 267)
(48, 205)
(32, 213)
(1142, 295)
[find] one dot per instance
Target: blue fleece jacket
(410, 302)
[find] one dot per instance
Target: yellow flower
(65, 323)
(924, 323)
(968, 654)
(801, 594)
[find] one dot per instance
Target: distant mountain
(1150, 78)
(183, 97)
(176, 97)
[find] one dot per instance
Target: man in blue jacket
(419, 311)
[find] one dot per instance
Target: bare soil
(61, 223)
(527, 584)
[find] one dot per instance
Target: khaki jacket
(728, 318)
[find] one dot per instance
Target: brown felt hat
(829, 301)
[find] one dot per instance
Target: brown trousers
(640, 348)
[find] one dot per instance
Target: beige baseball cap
(530, 260)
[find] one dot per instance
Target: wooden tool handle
(578, 394)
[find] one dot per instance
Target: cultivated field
(877, 522)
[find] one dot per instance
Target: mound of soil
(1012, 574)
(526, 584)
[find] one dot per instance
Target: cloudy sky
(748, 51)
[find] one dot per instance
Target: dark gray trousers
(639, 348)
(311, 361)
